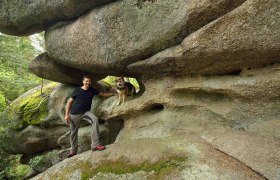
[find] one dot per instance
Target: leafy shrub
(37, 161)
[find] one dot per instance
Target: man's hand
(67, 119)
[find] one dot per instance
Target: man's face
(87, 82)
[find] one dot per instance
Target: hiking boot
(98, 148)
(71, 154)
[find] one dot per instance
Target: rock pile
(209, 76)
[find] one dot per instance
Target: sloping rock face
(27, 17)
(157, 160)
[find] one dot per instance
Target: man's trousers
(74, 126)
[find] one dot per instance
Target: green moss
(13, 169)
(161, 168)
(32, 109)
(22, 170)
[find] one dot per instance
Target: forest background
(15, 79)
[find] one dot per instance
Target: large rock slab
(31, 108)
(177, 157)
(34, 139)
(249, 36)
(261, 154)
(43, 66)
(57, 102)
(25, 17)
(246, 101)
(235, 114)
(41, 136)
(109, 38)
(195, 118)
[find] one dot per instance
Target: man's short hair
(86, 76)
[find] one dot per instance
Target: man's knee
(92, 117)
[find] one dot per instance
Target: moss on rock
(31, 108)
(160, 168)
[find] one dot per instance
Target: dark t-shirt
(82, 100)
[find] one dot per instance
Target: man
(77, 108)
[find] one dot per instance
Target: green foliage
(22, 170)
(2, 101)
(17, 171)
(6, 163)
(42, 160)
(15, 55)
(37, 161)
(111, 80)
(10, 168)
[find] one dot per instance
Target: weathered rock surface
(43, 135)
(56, 104)
(183, 124)
(27, 17)
(184, 158)
(31, 108)
(212, 121)
(257, 152)
(251, 96)
(109, 38)
(238, 40)
(34, 139)
(249, 36)
(43, 66)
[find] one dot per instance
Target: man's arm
(67, 110)
(106, 94)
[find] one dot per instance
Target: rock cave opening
(109, 84)
(108, 129)
(111, 130)
(235, 73)
(156, 107)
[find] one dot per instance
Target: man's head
(87, 81)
